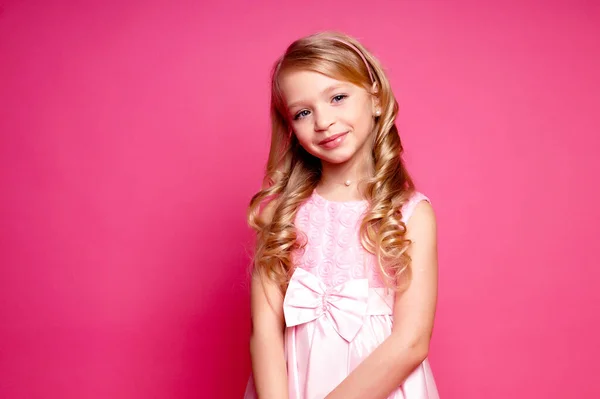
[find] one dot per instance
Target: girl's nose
(323, 120)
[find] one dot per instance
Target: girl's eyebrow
(326, 91)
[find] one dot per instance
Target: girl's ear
(375, 99)
(374, 89)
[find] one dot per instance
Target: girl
(344, 281)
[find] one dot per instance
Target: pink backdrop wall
(134, 133)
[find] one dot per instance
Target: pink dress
(336, 308)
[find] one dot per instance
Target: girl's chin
(334, 157)
(335, 160)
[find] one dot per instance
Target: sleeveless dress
(336, 308)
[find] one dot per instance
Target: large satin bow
(308, 298)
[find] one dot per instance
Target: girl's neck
(344, 182)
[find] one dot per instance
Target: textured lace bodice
(331, 232)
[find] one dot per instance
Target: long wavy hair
(292, 173)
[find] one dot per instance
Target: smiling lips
(333, 141)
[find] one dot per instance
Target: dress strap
(409, 207)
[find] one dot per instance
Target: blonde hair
(292, 173)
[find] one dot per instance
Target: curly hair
(292, 173)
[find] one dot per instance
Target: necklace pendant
(347, 183)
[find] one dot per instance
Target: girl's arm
(386, 368)
(266, 342)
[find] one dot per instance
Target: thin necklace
(346, 183)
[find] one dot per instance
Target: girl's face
(332, 119)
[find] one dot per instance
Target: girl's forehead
(308, 79)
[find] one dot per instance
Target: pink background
(134, 133)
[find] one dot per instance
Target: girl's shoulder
(409, 206)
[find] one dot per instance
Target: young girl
(344, 281)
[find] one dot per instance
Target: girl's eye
(301, 114)
(339, 98)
